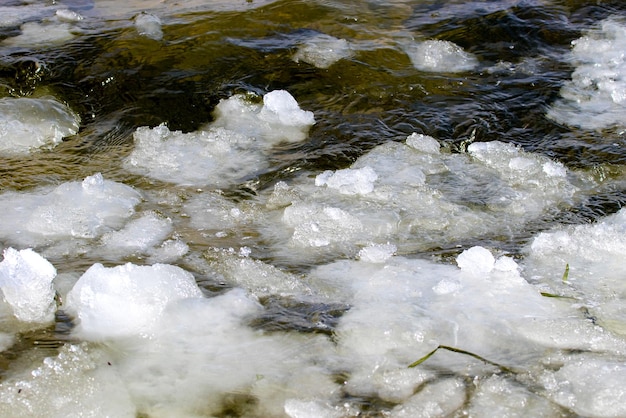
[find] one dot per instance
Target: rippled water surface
(328, 255)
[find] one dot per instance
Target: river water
(312, 208)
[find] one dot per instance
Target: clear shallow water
(289, 227)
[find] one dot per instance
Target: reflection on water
(435, 127)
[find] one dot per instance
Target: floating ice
(278, 119)
(440, 56)
(149, 25)
(594, 256)
(67, 15)
(377, 253)
(323, 51)
(74, 210)
(595, 98)
(476, 260)
(26, 124)
(48, 33)
(127, 300)
(415, 196)
(26, 285)
(234, 146)
(403, 308)
(348, 181)
(217, 157)
(78, 382)
(139, 236)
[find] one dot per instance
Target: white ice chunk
(67, 15)
(202, 351)
(27, 124)
(349, 181)
(417, 196)
(279, 119)
(126, 300)
(149, 25)
(440, 56)
(81, 210)
(280, 108)
(26, 284)
(377, 253)
(423, 143)
(594, 98)
(323, 51)
(216, 157)
(476, 260)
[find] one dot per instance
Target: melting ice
(150, 338)
(595, 97)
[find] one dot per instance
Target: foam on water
(234, 146)
(27, 124)
(595, 97)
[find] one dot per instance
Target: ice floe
(415, 195)
(28, 123)
(595, 97)
(62, 216)
(322, 51)
(440, 56)
(231, 148)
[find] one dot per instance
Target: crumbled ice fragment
(323, 51)
(377, 253)
(476, 260)
(295, 408)
(149, 25)
(67, 15)
(554, 169)
(594, 97)
(28, 123)
(424, 143)
(280, 107)
(505, 264)
(26, 284)
(278, 119)
(440, 56)
(349, 181)
(446, 286)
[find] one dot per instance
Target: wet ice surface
(179, 283)
(595, 97)
(231, 148)
(28, 124)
